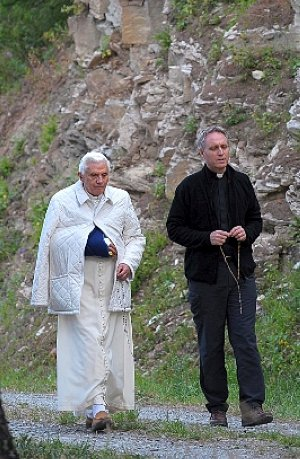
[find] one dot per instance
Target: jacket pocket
(60, 298)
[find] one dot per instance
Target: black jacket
(192, 218)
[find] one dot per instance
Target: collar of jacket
(82, 195)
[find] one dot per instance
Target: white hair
(94, 156)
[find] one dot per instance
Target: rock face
(141, 89)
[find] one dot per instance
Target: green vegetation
(295, 231)
(55, 449)
(48, 133)
(215, 51)
(10, 240)
(164, 39)
(156, 241)
(19, 148)
(233, 115)
(178, 430)
(4, 195)
(44, 372)
(251, 58)
(294, 65)
(164, 336)
(159, 184)
(74, 9)
(160, 169)
(8, 300)
(105, 46)
(173, 348)
(184, 11)
(159, 190)
(191, 125)
(6, 166)
(268, 122)
(128, 421)
(23, 32)
(266, 59)
(279, 323)
(36, 217)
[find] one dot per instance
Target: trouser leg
(209, 306)
(241, 332)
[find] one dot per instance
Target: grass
(172, 429)
(165, 342)
(167, 364)
(21, 380)
(55, 449)
(167, 357)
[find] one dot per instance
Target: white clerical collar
(93, 198)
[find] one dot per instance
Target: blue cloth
(95, 245)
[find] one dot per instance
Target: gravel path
(148, 445)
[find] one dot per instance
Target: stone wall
(295, 26)
(147, 121)
(143, 114)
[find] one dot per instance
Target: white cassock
(94, 348)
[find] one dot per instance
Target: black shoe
(218, 419)
(254, 415)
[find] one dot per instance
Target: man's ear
(80, 175)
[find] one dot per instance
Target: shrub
(156, 241)
(268, 122)
(10, 239)
(36, 217)
(48, 133)
(4, 196)
(191, 125)
(6, 167)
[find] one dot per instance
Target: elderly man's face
(216, 152)
(95, 178)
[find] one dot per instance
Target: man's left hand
(123, 272)
(238, 233)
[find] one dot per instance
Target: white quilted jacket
(59, 270)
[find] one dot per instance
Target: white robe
(94, 348)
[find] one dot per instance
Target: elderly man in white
(90, 247)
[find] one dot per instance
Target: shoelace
(237, 279)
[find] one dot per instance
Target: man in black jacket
(216, 216)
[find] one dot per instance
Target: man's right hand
(218, 237)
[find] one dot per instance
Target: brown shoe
(254, 415)
(218, 418)
(101, 421)
(88, 422)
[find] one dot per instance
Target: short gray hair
(201, 137)
(94, 156)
